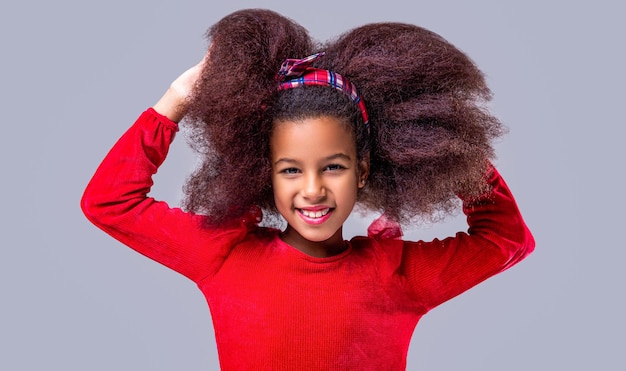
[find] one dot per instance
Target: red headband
(294, 73)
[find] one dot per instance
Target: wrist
(171, 105)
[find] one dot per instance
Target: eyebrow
(336, 156)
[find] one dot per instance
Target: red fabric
(276, 308)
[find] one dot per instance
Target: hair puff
(431, 136)
(227, 113)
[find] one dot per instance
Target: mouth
(315, 216)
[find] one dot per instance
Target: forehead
(321, 136)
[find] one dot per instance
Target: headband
(295, 73)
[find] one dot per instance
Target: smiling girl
(389, 118)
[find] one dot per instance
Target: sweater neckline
(304, 256)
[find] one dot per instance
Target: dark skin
(315, 177)
(315, 171)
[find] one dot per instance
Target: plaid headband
(297, 72)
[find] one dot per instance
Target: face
(315, 177)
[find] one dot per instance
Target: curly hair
(227, 114)
(430, 136)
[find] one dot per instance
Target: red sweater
(276, 308)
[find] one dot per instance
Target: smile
(314, 214)
(315, 217)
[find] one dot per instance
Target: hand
(173, 104)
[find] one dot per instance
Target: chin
(321, 237)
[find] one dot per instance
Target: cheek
(275, 188)
(280, 190)
(349, 188)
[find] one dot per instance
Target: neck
(318, 249)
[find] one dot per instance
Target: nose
(313, 188)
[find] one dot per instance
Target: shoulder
(386, 252)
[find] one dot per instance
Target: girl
(389, 117)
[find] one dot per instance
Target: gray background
(75, 75)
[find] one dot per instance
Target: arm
(173, 104)
(116, 198)
(497, 239)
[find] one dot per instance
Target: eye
(334, 167)
(290, 171)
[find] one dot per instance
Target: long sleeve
(497, 238)
(116, 201)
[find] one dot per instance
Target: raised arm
(173, 104)
(116, 198)
(497, 238)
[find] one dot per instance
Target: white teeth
(314, 214)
